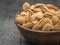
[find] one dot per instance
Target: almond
(20, 19)
(26, 6)
(57, 26)
(50, 6)
(28, 25)
(55, 19)
(46, 27)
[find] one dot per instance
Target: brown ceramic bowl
(39, 37)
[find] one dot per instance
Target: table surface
(9, 34)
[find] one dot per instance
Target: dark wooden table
(9, 34)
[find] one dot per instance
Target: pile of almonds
(44, 17)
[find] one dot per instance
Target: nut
(26, 6)
(50, 6)
(23, 13)
(38, 5)
(55, 19)
(58, 14)
(46, 27)
(20, 19)
(46, 20)
(39, 15)
(37, 26)
(28, 25)
(57, 26)
(48, 15)
(28, 16)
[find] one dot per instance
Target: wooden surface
(9, 34)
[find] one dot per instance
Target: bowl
(40, 37)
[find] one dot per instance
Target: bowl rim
(36, 30)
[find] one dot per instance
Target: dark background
(9, 34)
